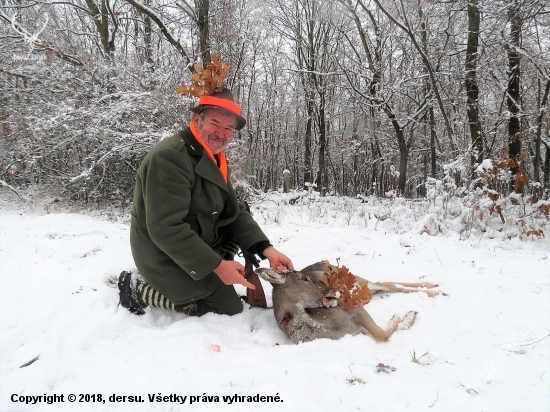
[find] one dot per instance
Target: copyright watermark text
(151, 398)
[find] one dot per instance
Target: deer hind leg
(362, 318)
(392, 287)
(408, 320)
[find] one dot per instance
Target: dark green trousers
(224, 301)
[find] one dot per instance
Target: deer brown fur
(306, 309)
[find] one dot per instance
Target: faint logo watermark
(30, 40)
(29, 57)
(491, 368)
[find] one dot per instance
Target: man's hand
(277, 260)
(232, 273)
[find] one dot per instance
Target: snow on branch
(33, 41)
(124, 95)
(30, 39)
(538, 65)
(316, 72)
(86, 173)
(13, 189)
(156, 18)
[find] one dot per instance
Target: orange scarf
(219, 159)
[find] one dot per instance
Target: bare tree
(472, 89)
(513, 93)
(406, 27)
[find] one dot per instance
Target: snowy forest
(353, 97)
(408, 140)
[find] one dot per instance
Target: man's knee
(233, 309)
(223, 301)
(201, 308)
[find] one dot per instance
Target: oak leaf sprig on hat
(207, 79)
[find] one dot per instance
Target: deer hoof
(408, 320)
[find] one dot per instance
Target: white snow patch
(486, 344)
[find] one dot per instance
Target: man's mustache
(216, 138)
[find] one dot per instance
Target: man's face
(215, 128)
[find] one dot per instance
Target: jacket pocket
(206, 224)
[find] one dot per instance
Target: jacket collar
(205, 167)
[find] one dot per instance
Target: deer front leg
(362, 318)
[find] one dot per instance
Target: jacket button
(193, 272)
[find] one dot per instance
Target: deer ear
(271, 276)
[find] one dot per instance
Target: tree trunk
(428, 91)
(147, 40)
(433, 153)
(472, 90)
(547, 168)
(407, 29)
(513, 90)
(308, 173)
(540, 105)
(101, 21)
(322, 179)
(374, 63)
(403, 156)
(202, 8)
(164, 30)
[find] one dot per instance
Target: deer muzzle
(330, 300)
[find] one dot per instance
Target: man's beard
(221, 143)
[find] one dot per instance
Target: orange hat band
(216, 101)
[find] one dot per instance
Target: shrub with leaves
(496, 173)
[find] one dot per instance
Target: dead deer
(307, 309)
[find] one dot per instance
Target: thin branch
(30, 362)
(34, 41)
(10, 187)
(507, 45)
(21, 76)
(428, 68)
(187, 9)
(173, 41)
(316, 72)
(76, 6)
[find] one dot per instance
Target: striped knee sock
(144, 294)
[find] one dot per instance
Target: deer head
(294, 287)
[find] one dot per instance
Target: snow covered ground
(485, 347)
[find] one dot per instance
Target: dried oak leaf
(353, 293)
(545, 208)
(207, 78)
(182, 89)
